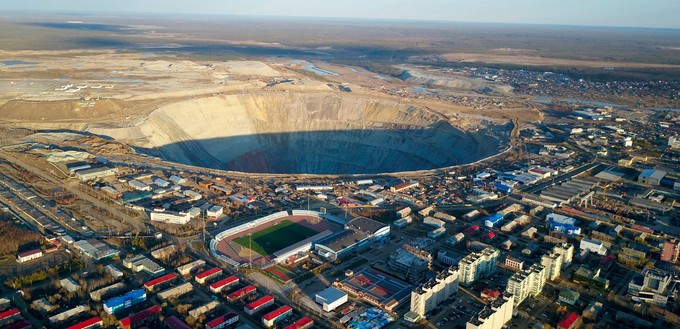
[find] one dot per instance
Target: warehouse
(96, 172)
(330, 298)
(651, 177)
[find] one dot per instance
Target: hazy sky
(637, 13)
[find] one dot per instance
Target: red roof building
(9, 315)
(94, 322)
(238, 294)
(222, 321)
(490, 295)
(157, 281)
(223, 284)
(142, 318)
(303, 323)
(207, 275)
(259, 304)
(471, 229)
(571, 321)
(20, 325)
(271, 318)
(489, 236)
(174, 322)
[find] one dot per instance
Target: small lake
(14, 62)
(314, 69)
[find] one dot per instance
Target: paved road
(121, 217)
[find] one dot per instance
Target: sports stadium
(273, 238)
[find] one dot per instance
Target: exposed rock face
(318, 133)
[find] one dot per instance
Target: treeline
(15, 237)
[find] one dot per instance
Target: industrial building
(330, 298)
(95, 249)
(527, 283)
(275, 316)
(435, 291)
(175, 292)
(129, 299)
(652, 177)
(258, 305)
(170, 217)
(359, 233)
(477, 264)
(95, 173)
(495, 315)
(573, 190)
(222, 321)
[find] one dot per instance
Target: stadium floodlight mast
(250, 251)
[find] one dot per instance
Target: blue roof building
(122, 302)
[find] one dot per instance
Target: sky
(629, 13)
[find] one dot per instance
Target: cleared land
(276, 237)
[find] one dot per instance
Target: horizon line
(336, 18)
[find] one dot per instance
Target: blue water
(312, 68)
(16, 62)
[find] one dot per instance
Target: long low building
(238, 294)
(207, 275)
(359, 233)
(272, 318)
(186, 269)
(258, 305)
(122, 302)
(220, 285)
(95, 173)
(222, 321)
(175, 291)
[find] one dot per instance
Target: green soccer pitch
(277, 237)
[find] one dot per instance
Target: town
(576, 225)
